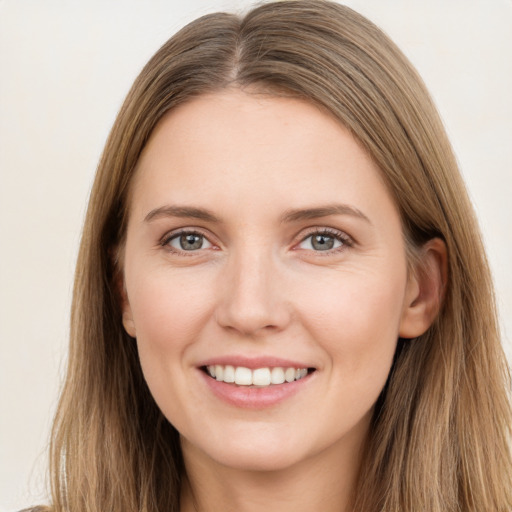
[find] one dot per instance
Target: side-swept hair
(439, 440)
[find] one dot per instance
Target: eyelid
(346, 239)
(340, 235)
(170, 235)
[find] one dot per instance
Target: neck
(323, 482)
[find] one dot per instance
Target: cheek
(169, 309)
(356, 319)
(358, 329)
(169, 313)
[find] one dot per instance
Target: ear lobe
(425, 290)
(128, 323)
(117, 260)
(127, 316)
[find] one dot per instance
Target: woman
(281, 296)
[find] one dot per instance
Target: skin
(258, 287)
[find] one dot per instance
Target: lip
(252, 397)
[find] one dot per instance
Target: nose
(252, 295)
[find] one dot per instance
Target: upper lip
(254, 362)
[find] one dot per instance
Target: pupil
(191, 242)
(323, 242)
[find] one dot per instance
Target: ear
(425, 289)
(117, 259)
(127, 315)
(128, 323)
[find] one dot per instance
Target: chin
(258, 461)
(245, 454)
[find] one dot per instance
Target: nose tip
(248, 321)
(252, 300)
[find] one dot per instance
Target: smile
(260, 377)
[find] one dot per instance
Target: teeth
(262, 377)
(277, 376)
(229, 373)
(289, 374)
(243, 376)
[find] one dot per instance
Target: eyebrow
(293, 215)
(182, 211)
(323, 211)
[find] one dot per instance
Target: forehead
(234, 144)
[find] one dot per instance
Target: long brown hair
(439, 440)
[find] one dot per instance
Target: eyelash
(340, 236)
(165, 242)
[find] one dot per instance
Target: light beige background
(65, 67)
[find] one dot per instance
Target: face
(262, 247)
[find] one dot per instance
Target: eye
(188, 241)
(323, 241)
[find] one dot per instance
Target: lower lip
(252, 397)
